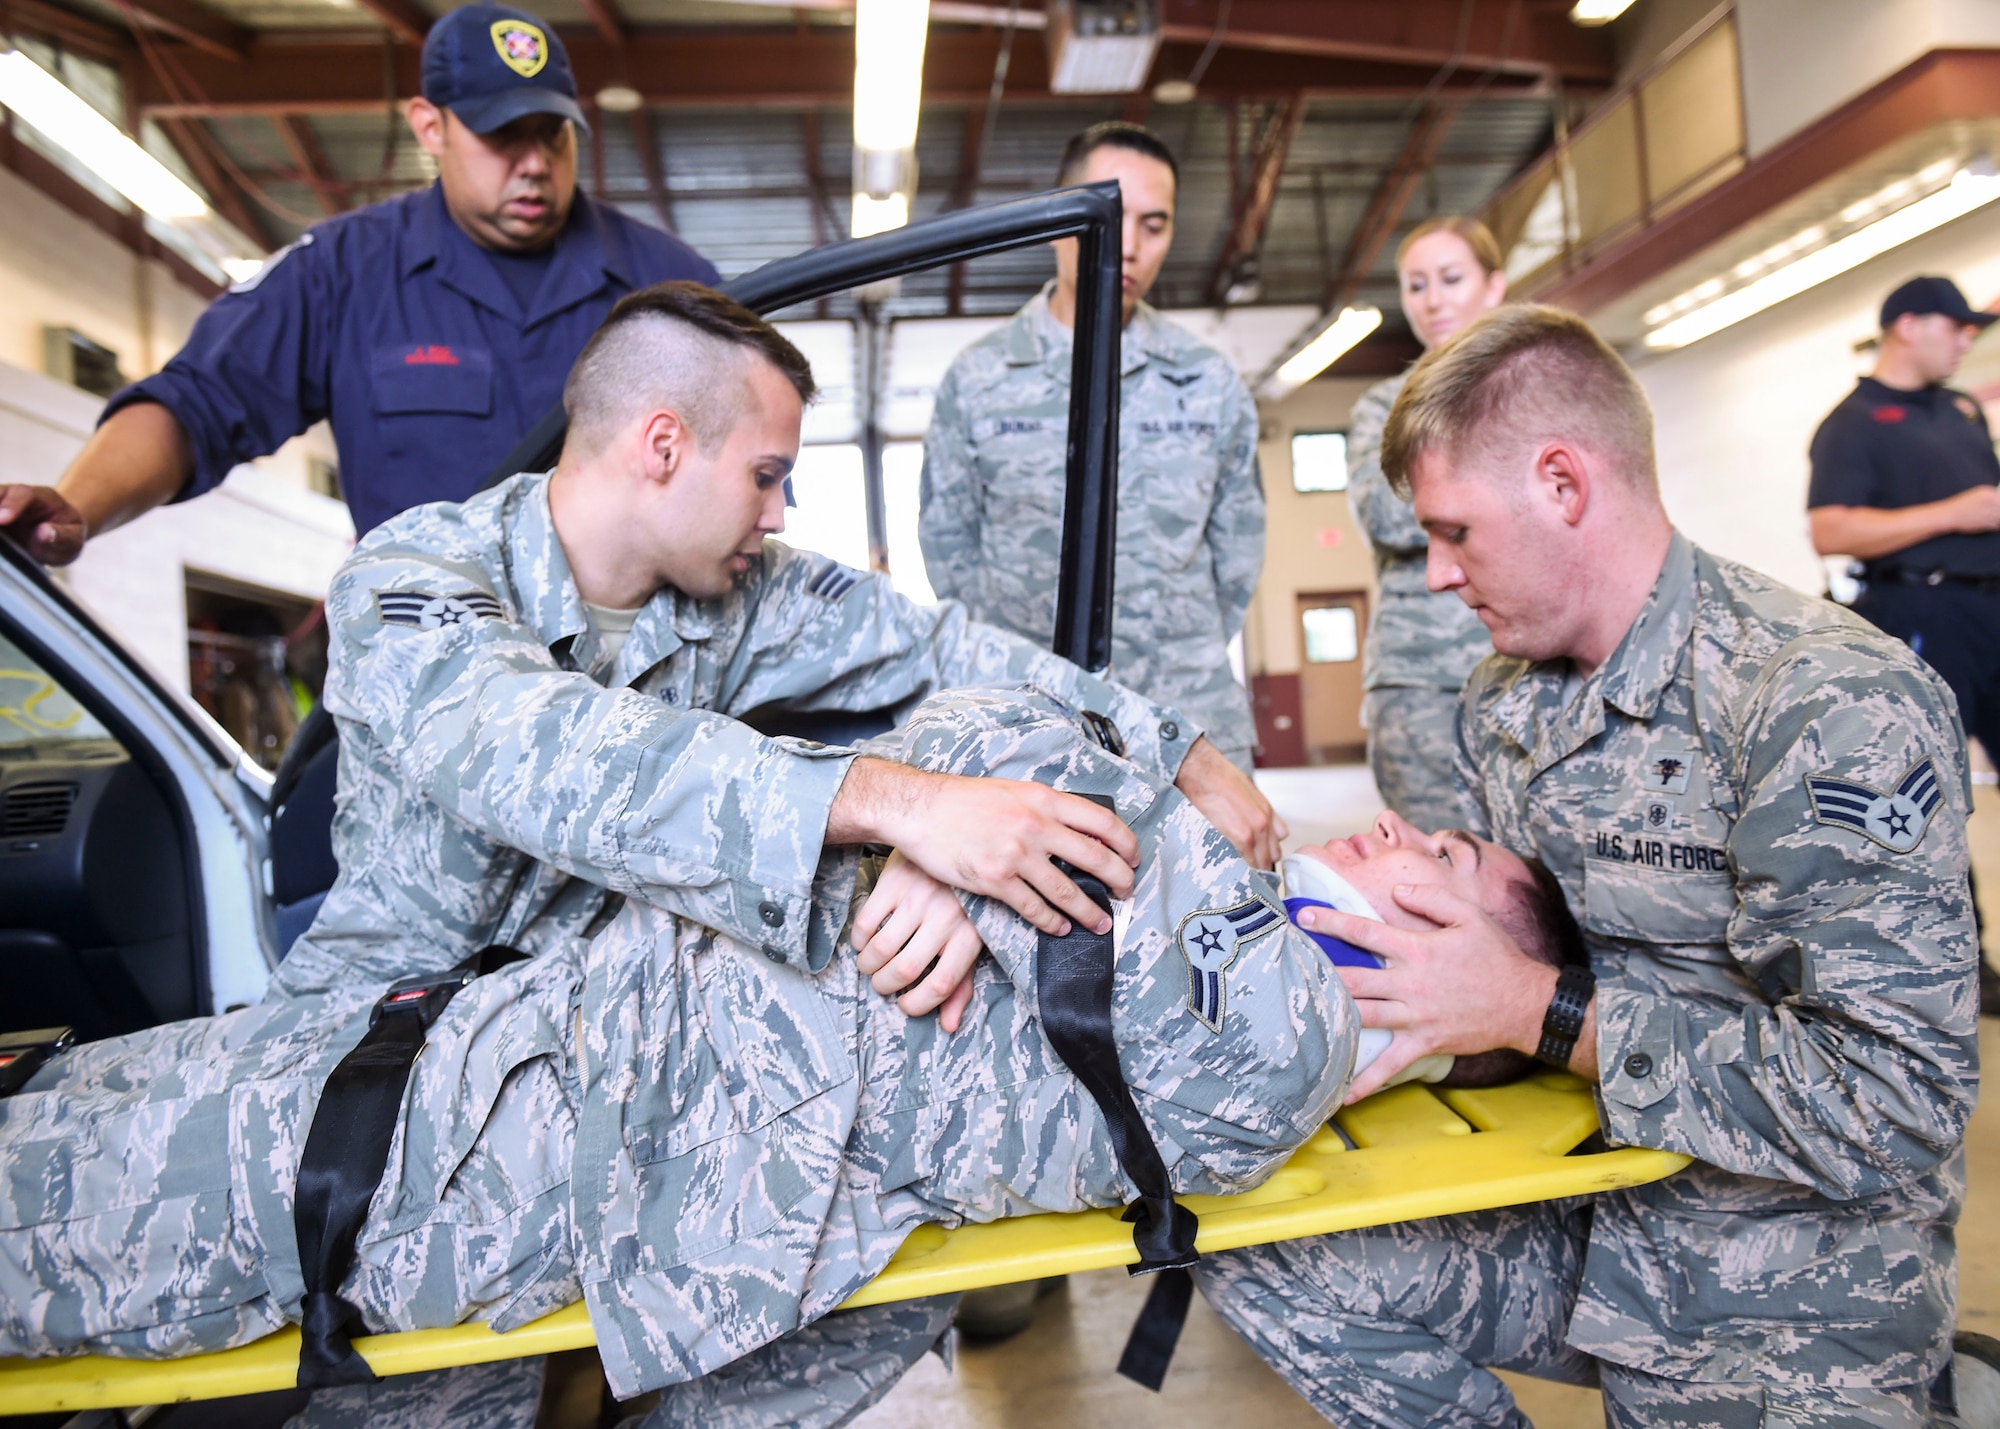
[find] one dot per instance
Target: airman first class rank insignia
(833, 582)
(420, 610)
(1896, 821)
(1210, 940)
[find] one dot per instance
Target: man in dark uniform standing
(431, 329)
(1904, 478)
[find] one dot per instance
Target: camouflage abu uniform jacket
(498, 772)
(1757, 808)
(1190, 504)
(1415, 637)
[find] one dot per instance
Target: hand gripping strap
(1073, 984)
(345, 1153)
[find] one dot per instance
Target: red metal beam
(223, 191)
(773, 69)
(1501, 36)
(400, 18)
(648, 146)
(51, 22)
(1522, 37)
(303, 145)
(192, 24)
(605, 19)
(962, 195)
(1253, 215)
(1392, 196)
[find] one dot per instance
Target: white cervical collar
(1309, 878)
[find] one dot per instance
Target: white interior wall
(261, 528)
(1737, 411)
(60, 270)
(264, 527)
(1804, 58)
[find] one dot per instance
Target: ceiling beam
(648, 145)
(87, 37)
(963, 193)
(303, 146)
(605, 19)
(773, 69)
(1252, 216)
(1391, 197)
(223, 191)
(400, 18)
(1506, 36)
(192, 24)
(1498, 36)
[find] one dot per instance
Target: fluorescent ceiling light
(888, 71)
(878, 215)
(1334, 340)
(47, 103)
(1964, 194)
(1597, 12)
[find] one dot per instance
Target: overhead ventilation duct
(1101, 46)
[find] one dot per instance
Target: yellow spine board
(1416, 1152)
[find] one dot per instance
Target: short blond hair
(1474, 234)
(1520, 376)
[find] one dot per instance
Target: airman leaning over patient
(1756, 803)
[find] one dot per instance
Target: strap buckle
(22, 1054)
(1103, 732)
(425, 995)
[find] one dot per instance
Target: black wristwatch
(1562, 1024)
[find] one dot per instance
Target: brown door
(1331, 627)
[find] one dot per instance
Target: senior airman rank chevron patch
(1211, 940)
(420, 610)
(833, 582)
(1895, 820)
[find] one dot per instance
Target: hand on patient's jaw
(911, 936)
(1462, 987)
(994, 837)
(1228, 799)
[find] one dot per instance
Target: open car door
(132, 831)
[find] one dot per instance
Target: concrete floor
(1061, 1372)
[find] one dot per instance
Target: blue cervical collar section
(1343, 953)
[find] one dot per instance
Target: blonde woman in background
(1420, 646)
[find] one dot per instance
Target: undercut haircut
(1518, 378)
(1538, 919)
(1116, 134)
(1476, 236)
(678, 347)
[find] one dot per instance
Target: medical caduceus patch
(420, 610)
(1896, 819)
(1211, 940)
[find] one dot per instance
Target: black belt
(345, 1154)
(1073, 984)
(1900, 575)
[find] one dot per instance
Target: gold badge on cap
(523, 48)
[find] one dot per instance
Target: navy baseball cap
(491, 64)
(1923, 296)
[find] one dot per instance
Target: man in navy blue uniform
(431, 329)
(1905, 480)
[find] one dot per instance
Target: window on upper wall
(1319, 461)
(1333, 635)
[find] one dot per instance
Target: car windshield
(37, 712)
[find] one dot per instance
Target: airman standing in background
(1421, 646)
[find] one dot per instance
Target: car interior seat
(302, 862)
